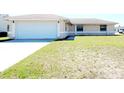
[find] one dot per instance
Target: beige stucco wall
(110, 28)
(91, 27)
(71, 28)
(67, 27)
(97, 27)
(11, 32)
(62, 26)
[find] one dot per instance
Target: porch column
(75, 29)
(67, 27)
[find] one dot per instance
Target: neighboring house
(48, 26)
(3, 23)
(120, 29)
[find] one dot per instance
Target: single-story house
(49, 26)
(3, 23)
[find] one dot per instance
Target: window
(8, 27)
(103, 28)
(79, 27)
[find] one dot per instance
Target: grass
(4, 38)
(84, 57)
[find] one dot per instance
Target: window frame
(80, 27)
(103, 27)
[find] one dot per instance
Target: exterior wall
(65, 29)
(3, 23)
(95, 30)
(11, 32)
(110, 28)
(61, 31)
(91, 27)
(71, 29)
(97, 27)
(88, 30)
(62, 26)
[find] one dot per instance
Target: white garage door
(36, 30)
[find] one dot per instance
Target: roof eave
(95, 23)
(18, 19)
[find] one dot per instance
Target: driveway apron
(11, 53)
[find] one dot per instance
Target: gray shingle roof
(37, 17)
(90, 21)
(56, 17)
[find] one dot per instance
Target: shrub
(3, 34)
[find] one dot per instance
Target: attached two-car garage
(35, 29)
(37, 26)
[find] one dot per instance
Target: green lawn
(84, 57)
(4, 38)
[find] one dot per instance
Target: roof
(37, 17)
(56, 17)
(90, 21)
(120, 27)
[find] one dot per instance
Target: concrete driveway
(11, 53)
